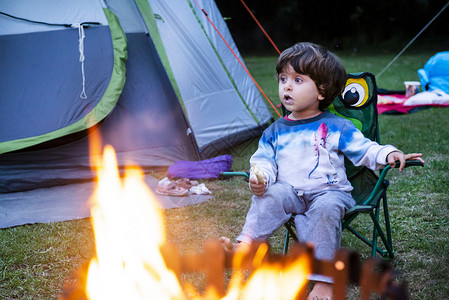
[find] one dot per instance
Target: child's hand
(257, 188)
(401, 157)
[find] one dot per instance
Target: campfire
(135, 261)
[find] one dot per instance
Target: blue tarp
(61, 203)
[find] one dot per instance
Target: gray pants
(318, 216)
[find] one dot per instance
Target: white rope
(81, 49)
(411, 42)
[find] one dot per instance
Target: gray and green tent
(151, 77)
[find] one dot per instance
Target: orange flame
(269, 280)
(129, 233)
(129, 230)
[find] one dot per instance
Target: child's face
(299, 94)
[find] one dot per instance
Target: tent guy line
(411, 42)
(238, 59)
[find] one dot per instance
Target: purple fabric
(203, 169)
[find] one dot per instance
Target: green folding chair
(358, 103)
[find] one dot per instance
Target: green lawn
(36, 260)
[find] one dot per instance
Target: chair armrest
(229, 174)
(410, 163)
(383, 173)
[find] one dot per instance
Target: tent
(151, 78)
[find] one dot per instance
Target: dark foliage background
(339, 25)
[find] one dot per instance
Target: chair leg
(290, 233)
(375, 219)
(387, 223)
(286, 242)
(380, 232)
(365, 240)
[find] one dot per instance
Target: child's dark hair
(321, 65)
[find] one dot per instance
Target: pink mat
(394, 103)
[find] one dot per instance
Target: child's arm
(263, 167)
(394, 156)
(362, 151)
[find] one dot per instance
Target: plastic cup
(411, 88)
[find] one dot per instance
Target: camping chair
(358, 103)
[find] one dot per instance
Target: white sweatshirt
(309, 154)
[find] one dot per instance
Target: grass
(37, 260)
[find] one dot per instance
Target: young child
(301, 157)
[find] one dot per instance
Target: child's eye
(298, 80)
(283, 79)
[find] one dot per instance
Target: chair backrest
(358, 103)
